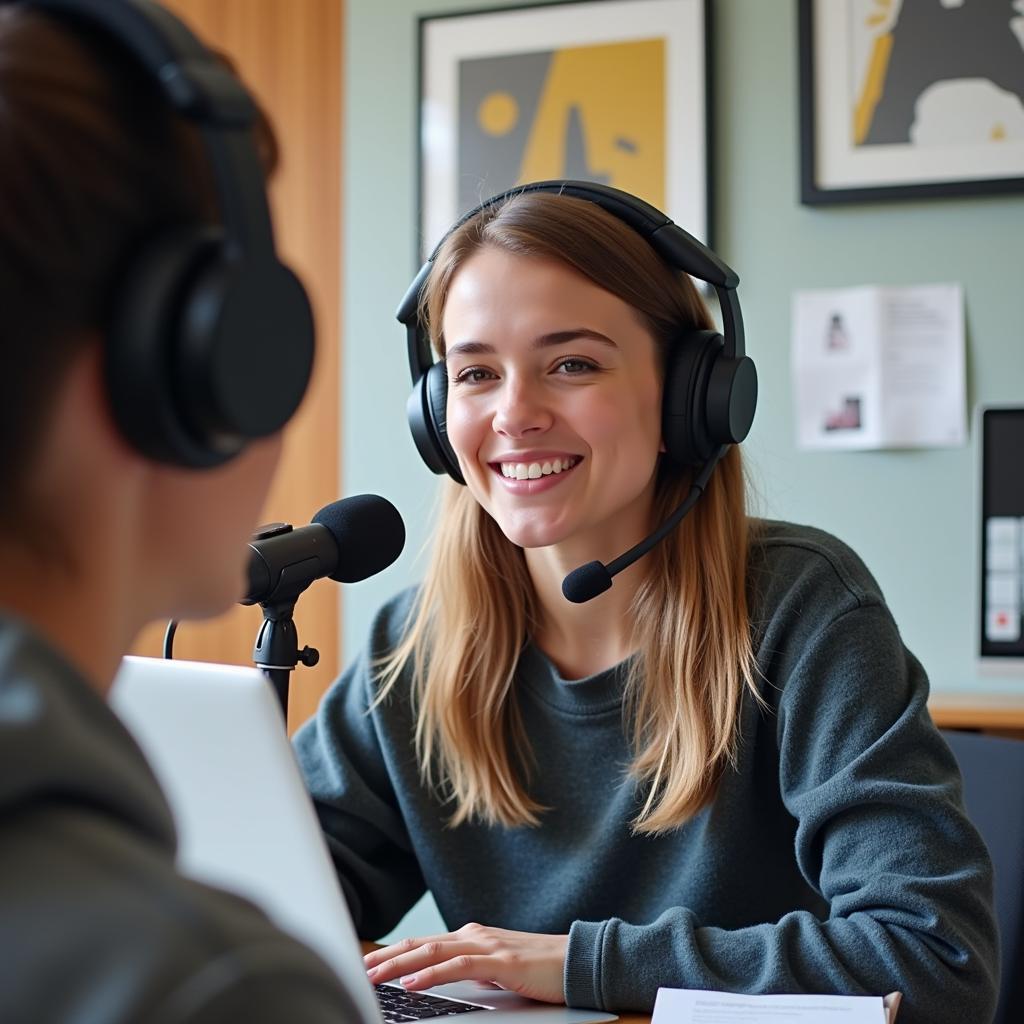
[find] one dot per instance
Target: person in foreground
(719, 773)
(119, 508)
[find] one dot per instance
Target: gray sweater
(95, 923)
(836, 857)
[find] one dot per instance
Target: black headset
(210, 339)
(710, 387)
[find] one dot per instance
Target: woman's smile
(534, 473)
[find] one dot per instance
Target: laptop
(216, 740)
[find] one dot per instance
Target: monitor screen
(1002, 534)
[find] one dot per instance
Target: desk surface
(994, 712)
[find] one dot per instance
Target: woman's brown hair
(477, 608)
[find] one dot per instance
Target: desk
(1001, 714)
(626, 1018)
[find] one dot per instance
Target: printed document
(692, 1006)
(879, 367)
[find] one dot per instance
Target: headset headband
(198, 88)
(676, 247)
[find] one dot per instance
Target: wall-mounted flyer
(879, 367)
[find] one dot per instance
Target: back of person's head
(153, 344)
(478, 606)
(94, 164)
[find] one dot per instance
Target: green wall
(911, 515)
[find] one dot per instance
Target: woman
(720, 773)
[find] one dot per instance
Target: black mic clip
(276, 652)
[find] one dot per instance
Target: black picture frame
(914, 172)
(687, 138)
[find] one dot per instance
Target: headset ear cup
(732, 399)
(427, 410)
(139, 348)
(684, 421)
(244, 351)
(206, 354)
(437, 391)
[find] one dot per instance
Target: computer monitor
(1001, 618)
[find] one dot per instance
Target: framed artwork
(907, 98)
(610, 91)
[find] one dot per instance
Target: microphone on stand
(347, 541)
(586, 582)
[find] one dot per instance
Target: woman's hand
(522, 962)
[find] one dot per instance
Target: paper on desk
(879, 367)
(693, 1006)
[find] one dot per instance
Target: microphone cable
(172, 628)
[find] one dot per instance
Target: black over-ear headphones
(210, 340)
(710, 387)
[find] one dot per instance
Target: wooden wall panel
(289, 52)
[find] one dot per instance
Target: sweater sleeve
(264, 983)
(881, 835)
(348, 771)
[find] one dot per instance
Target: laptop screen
(216, 740)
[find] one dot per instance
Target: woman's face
(554, 403)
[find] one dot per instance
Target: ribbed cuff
(583, 965)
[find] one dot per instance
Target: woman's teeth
(535, 470)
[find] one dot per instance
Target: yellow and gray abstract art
(595, 113)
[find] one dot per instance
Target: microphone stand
(277, 647)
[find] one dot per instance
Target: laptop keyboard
(398, 1006)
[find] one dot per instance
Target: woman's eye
(575, 366)
(472, 375)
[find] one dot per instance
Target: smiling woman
(721, 771)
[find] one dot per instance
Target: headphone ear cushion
(140, 349)
(427, 411)
(244, 352)
(205, 354)
(684, 414)
(437, 392)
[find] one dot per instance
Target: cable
(172, 628)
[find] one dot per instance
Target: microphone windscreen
(586, 582)
(369, 532)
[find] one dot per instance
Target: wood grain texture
(289, 53)
(998, 714)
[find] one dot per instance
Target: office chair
(993, 771)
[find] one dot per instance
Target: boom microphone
(586, 582)
(347, 541)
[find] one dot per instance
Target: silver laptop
(216, 740)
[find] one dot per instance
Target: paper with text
(692, 1006)
(878, 367)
